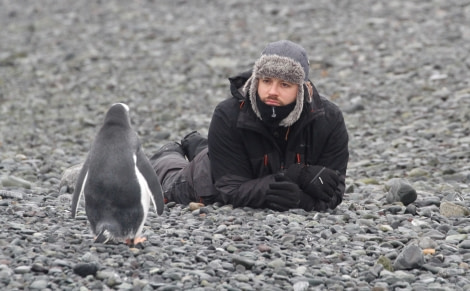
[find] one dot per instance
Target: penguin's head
(121, 104)
(117, 113)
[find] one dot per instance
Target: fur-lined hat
(283, 60)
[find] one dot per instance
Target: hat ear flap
(251, 89)
(294, 115)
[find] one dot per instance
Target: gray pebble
(39, 285)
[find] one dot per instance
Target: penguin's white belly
(145, 195)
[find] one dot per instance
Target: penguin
(117, 181)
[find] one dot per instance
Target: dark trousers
(185, 181)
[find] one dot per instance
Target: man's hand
(319, 182)
(283, 194)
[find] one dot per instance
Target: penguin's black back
(112, 191)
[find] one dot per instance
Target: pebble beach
(399, 71)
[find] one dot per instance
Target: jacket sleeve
(230, 164)
(335, 153)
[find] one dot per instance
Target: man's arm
(230, 164)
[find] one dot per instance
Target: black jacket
(244, 154)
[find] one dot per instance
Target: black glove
(283, 194)
(309, 204)
(306, 202)
(319, 182)
(320, 205)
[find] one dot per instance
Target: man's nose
(274, 89)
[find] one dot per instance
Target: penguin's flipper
(143, 164)
(79, 187)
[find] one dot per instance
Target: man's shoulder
(329, 106)
(229, 104)
(324, 109)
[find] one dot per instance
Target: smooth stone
(427, 201)
(405, 276)
(246, 262)
(369, 181)
(276, 263)
(39, 284)
(11, 194)
(427, 243)
(22, 269)
(434, 234)
(85, 269)
(456, 237)
(400, 190)
(125, 286)
(410, 209)
(231, 248)
(386, 263)
(450, 209)
(12, 181)
(39, 268)
(301, 285)
(221, 229)
(69, 177)
(411, 257)
(385, 228)
(418, 172)
(453, 196)
(464, 244)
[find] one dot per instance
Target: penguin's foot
(135, 241)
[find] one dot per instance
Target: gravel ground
(398, 69)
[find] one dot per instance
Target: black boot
(172, 147)
(192, 144)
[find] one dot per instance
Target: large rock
(411, 257)
(399, 190)
(69, 178)
(450, 209)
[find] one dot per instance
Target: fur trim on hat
(280, 67)
(284, 68)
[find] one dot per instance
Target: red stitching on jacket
(242, 104)
(265, 160)
(298, 158)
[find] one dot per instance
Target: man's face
(277, 92)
